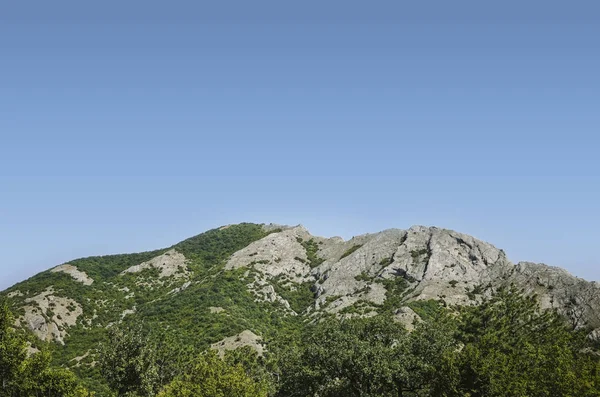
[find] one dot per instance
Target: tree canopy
(29, 375)
(505, 346)
(213, 377)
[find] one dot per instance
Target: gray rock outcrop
(435, 263)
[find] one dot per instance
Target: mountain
(245, 284)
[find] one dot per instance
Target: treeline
(506, 346)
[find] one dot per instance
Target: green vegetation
(426, 309)
(215, 246)
(139, 363)
(299, 296)
(135, 363)
(386, 261)
(417, 254)
(351, 250)
(477, 290)
(504, 347)
(22, 374)
(211, 376)
(394, 296)
(194, 325)
(312, 248)
(363, 277)
(361, 307)
(188, 317)
(511, 348)
(364, 357)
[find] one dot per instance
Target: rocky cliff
(257, 279)
(436, 264)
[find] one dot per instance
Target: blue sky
(128, 126)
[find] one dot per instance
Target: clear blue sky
(128, 126)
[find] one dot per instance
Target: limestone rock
(245, 338)
(277, 254)
(556, 288)
(49, 316)
(433, 263)
(358, 277)
(407, 317)
(71, 270)
(171, 264)
(351, 274)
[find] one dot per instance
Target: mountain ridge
(261, 280)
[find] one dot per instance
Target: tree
(505, 347)
(28, 376)
(213, 377)
(256, 367)
(13, 352)
(512, 348)
(366, 357)
(431, 354)
(137, 363)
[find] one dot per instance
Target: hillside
(246, 284)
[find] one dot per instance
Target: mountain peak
(245, 276)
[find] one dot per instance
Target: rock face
(435, 263)
(73, 272)
(276, 255)
(49, 316)
(170, 264)
(577, 299)
(291, 272)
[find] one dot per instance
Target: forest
(506, 346)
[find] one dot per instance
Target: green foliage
(215, 246)
(24, 375)
(364, 357)
(191, 322)
(426, 309)
(258, 368)
(112, 293)
(477, 290)
(363, 277)
(360, 307)
(102, 268)
(417, 254)
(505, 347)
(350, 250)
(512, 348)
(395, 289)
(299, 296)
(386, 261)
(134, 362)
(312, 248)
(213, 377)
(335, 359)
(12, 349)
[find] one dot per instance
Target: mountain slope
(266, 280)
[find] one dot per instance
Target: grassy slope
(186, 314)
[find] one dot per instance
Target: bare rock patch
(170, 264)
(49, 316)
(74, 272)
(245, 338)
